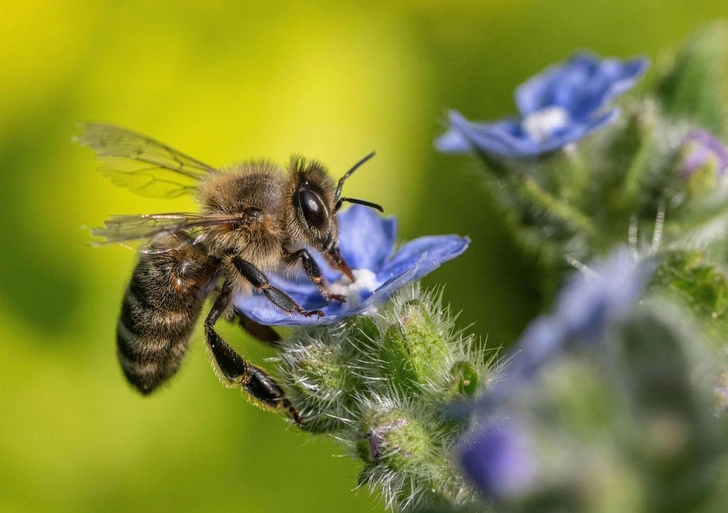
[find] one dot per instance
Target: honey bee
(254, 217)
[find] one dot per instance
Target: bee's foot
(311, 313)
(293, 412)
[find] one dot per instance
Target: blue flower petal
(390, 286)
(264, 312)
(618, 77)
(508, 138)
(587, 305)
(543, 339)
(585, 309)
(503, 137)
(500, 459)
(555, 85)
(366, 239)
(453, 140)
(582, 86)
(436, 250)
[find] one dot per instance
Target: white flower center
(365, 281)
(542, 124)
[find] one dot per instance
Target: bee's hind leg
(233, 368)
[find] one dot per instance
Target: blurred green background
(224, 81)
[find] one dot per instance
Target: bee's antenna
(349, 173)
(358, 202)
(337, 196)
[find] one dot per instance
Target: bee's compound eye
(314, 211)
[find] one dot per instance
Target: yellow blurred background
(224, 81)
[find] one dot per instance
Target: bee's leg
(265, 334)
(313, 271)
(235, 370)
(279, 298)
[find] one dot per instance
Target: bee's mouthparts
(341, 265)
(344, 268)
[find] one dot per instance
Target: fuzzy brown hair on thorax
(251, 186)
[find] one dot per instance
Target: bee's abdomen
(160, 308)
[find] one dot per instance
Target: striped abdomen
(160, 308)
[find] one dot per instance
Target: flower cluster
(585, 389)
(381, 377)
(616, 400)
(384, 385)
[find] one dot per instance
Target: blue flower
(501, 456)
(561, 105)
(500, 459)
(585, 309)
(366, 241)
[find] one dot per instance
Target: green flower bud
(394, 439)
(315, 369)
(412, 350)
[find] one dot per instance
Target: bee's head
(314, 201)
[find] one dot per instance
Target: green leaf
(701, 287)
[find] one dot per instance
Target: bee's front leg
(313, 271)
(279, 298)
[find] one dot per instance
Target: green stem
(558, 210)
(633, 177)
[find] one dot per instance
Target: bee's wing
(142, 164)
(147, 226)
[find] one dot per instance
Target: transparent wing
(142, 164)
(147, 226)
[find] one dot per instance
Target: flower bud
(413, 350)
(315, 368)
(394, 439)
(705, 161)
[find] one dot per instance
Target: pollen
(365, 283)
(544, 123)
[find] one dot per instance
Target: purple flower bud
(721, 394)
(703, 150)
